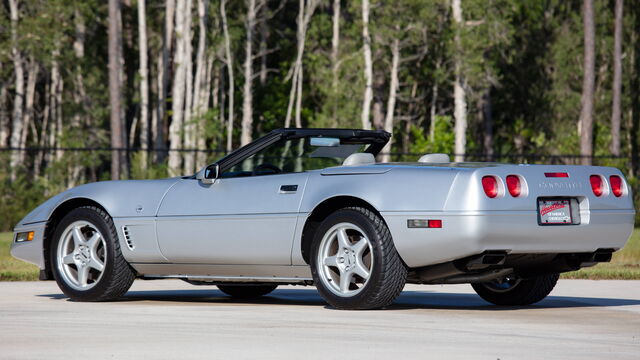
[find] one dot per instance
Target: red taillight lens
(596, 185)
(513, 185)
(434, 224)
(616, 185)
(490, 186)
(556, 174)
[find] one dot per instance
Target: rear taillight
(490, 186)
(616, 185)
(596, 185)
(513, 185)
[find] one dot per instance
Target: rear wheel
(513, 290)
(247, 291)
(354, 262)
(87, 262)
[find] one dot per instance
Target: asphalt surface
(170, 319)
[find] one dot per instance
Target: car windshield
(296, 155)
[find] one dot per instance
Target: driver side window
(291, 156)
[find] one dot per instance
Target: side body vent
(128, 238)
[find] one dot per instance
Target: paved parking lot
(170, 319)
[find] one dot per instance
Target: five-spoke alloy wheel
(81, 250)
(354, 262)
(346, 258)
(86, 259)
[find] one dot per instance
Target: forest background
(127, 89)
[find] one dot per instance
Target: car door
(240, 220)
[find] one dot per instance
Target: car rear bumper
(468, 233)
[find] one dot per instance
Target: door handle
(288, 189)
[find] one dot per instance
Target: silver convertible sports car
(312, 206)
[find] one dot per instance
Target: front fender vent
(128, 238)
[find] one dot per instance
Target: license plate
(554, 212)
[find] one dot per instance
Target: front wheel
(512, 290)
(354, 262)
(86, 258)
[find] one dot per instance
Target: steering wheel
(266, 166)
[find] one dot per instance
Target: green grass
(625, 264)
(12, 269)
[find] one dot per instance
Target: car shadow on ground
(408, 300)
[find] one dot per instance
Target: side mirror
(208, 174)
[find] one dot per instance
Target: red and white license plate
(554, 212)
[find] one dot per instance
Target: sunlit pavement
(171, 319)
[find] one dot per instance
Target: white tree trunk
(459, 93)
(144, 83)
(306, 10)
(229, 61)
(189, 125)
(201, 82)
(165, 76)
(368, 67)
(18, 66)
(4, 113)
(178, 93)
(247, 96)
(391, 101)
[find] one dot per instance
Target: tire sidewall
(360, 220)
(107, 230)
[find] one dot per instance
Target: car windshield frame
(376, 139)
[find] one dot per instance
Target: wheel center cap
(84, 254)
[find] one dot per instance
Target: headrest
(359, 159)
(434, 158)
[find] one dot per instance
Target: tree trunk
(229, 61)
(115, 50)
(4, 113)
(176, 128)
(164, 84)
(335, 53)
(42, 141)
(391, 102)
(29, 113)
(586, 114)
(634, 91)
(368, 67)
(144, 83)
(433, 111)
(459, 93)
(264, 41)
(617, 79)
(487, 117)
(189, 124)
(202, 83)
(18, 66)
(247, 96)
(79, 94)
(306, 10)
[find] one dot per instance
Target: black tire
(247, 291)
(117, 276)
(388, 273)
(523, 292)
